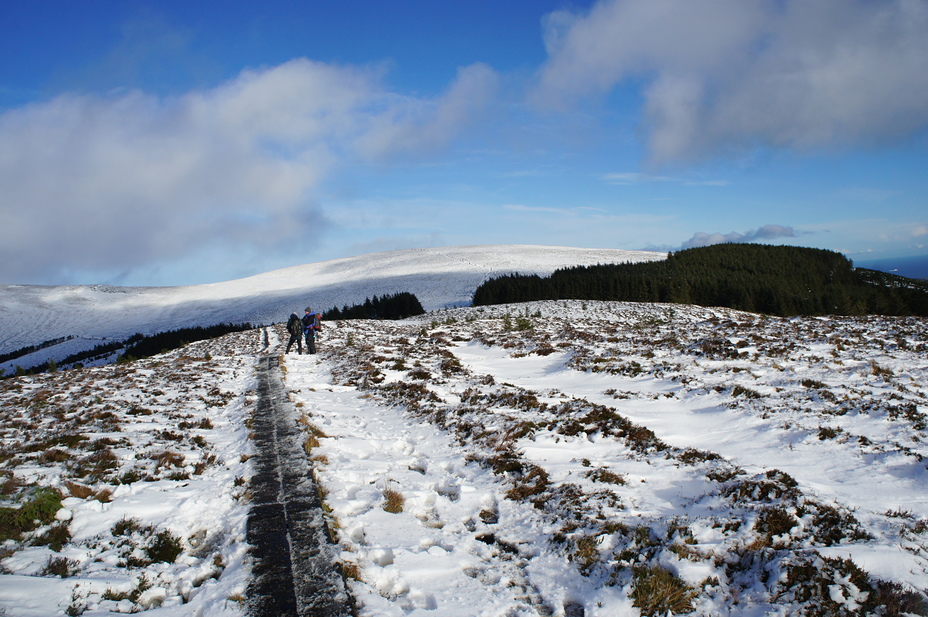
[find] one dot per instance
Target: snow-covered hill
(555, 458)
(439, 277)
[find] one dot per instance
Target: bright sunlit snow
(551, 458)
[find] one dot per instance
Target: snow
(541, 459)
(440, 277)
(187, 406)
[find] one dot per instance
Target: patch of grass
(585, 554)
(393, 501)
(831, 525)
(96, 465)
(533, 481)
(61, 567)
(130, 476)
(352, 571)
(601, 474)
(164, 547)
(167, 459)
(128, 526)
(55, 455)
(894, 599)
(745, 392)
(115, 596)
(238, 598)
(81, 491)
(419, 373)
(775, 521)
(813, 384)
(878, 371)
(39, 510)
(10, 485)
(55, 538)
(205, 423)
(773, 485)
(656, 591)
(692, 456)
(812, 581)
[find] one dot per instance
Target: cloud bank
(728, 76)
(767, 232)
(129, 178)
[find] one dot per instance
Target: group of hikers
(305, 327)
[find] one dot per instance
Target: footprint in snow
(423, 600)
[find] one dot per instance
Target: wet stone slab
(295, 568)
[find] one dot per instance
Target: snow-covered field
(556, 458)
(151, 459)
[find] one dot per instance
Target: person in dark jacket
(295, 328)
(310, 326)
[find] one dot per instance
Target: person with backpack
(295, 328)
(311, 324)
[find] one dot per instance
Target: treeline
(137, 346)
(166, 341)
(395, 306)
(25, 351)
(776, 280)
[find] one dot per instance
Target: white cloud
(631, 178)
(540, 209)
(130, 178)
(729, 75)
(767, 232)
(425, 125)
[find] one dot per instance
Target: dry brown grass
(393, 501)
(352, 571)
(657, 591)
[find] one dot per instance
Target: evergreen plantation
(775, 280)
(395, 306)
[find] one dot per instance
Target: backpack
(311, 322)
(294, 325)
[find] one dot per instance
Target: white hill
(439, 277)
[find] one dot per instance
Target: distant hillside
(42, 323)
(776, 280)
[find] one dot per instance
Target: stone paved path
(296, 572)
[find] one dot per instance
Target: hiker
(295, 328)
(310, 326)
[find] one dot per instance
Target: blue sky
(175, 142)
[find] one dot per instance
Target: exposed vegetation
(767, 526)
(71, 441)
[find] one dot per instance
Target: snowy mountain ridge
(439, 277)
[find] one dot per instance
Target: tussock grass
(394, 502)
(657, 591)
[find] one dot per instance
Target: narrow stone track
(296, 571)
